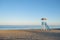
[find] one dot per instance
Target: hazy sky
(29, 12)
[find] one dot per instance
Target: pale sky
(29, 12)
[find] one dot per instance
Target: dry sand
(29, 35)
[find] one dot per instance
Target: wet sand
(29, 35)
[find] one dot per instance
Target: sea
(24, 27)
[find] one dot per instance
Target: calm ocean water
(23, 27)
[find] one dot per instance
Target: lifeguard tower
(44, 25)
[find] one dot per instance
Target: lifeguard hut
(44, 25)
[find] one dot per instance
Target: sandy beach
(29, 35)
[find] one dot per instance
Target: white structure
(44, 24)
